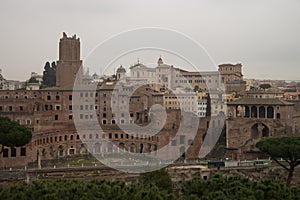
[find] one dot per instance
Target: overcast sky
(262, 35)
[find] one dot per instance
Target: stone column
(266, 112)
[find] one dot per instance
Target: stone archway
(265, 131)
(148, 148)
(259, 130)
(122, 147)
(83, 149)
(132, 148)
(97, 148)
(110, 147)
(141, 148)
(60, 151)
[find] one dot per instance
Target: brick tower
(69, 61)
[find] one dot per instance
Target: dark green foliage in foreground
(160, 178)
(216, 188)
(228, 188)
(74, 189)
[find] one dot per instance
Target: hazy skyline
(262, 35)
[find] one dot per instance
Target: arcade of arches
(254, 111)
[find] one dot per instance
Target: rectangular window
(5, 153)
(182, 137)
(70, 97)
(70, 116)
(48, 97)
(57, 97)
(21, 108)
(10, 108)
(13, 152)
(173, 143)
(55, 117)
(23, 151)
(70, 107)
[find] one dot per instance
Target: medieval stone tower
(69, 61)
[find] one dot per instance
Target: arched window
(110, 147)
(132, 148)
(270, 112)
(254, 111)
(97, 148)
(262, 112)
(148, 148)
(247, 111)
(141, 148)
(122, 146)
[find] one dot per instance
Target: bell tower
(69, 61)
